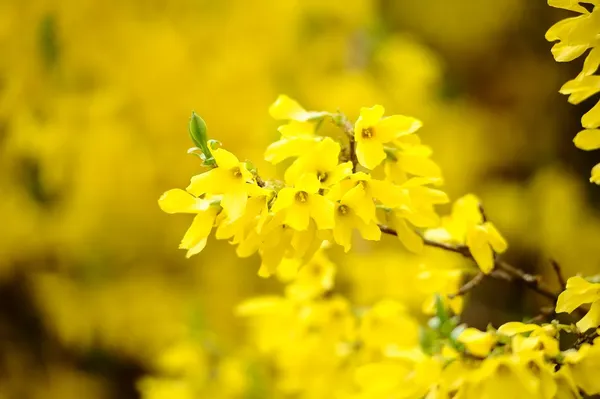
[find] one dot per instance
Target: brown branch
(344, 123)
(559, 274)
(469, 285)
(532, 282)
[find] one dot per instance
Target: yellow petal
(591, 119)
(592, 62)
(285, 199)
(578, 292)
(495, 239)
(595, 178)
(321, 210)
(283, 149)
(581, 88)
(572, 5)
(515, 327)
(419, 166)
(196, 236)
(296, 129)
(387, 193)
(286, 108)
(477, 342)
(340, 172)
(588, 139)
(297, 217)
(308, 183)
(234, 204)
(409, 238)
(215, 181)
(369, 231)
(370, 153)
(480, 249)
(342, 232)
(591, 319)
(357, 200)
(392, 127)
(369, 116)
(225, 159)
(179, 201)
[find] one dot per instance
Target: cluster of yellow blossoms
(376, 178)
(575, 36)
(324, 196)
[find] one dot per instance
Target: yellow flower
(387, 327)
(540, 338)
(245, 230)
(584, 365)
(411, 159)
(566, 388)
(279, 241)
(406, 377)
(322, 163)
(416, 210)
(302, 203)
(353, 211)
(465, 226)
(285, 108)
(574, 36)
(179, 201)
(231, 179)
(297, 138)
(477, 342)
(442, 282)
(580, 291)
(310, 280)
(510, 376)
(385, 192)
(371, 132)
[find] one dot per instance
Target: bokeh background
(94, 102)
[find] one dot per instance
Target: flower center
(301, 196)
(368, 133)
(236, 172)
(343, 210)
(322, 176)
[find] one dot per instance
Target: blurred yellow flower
(477, 342)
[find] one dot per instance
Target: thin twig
(559, 274)
(469, 285)
(530, 281)
(343, 122)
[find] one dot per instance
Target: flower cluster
(575, 36)
(377, 178)
(321, 346)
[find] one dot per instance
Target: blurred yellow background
(94, 102)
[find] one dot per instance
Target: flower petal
(480, 249)
(392, 127)
(196, 236)
(588, 139)
(179, 201)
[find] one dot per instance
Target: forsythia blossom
(575, 36)
(323, 195)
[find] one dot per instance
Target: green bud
(197, 129)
